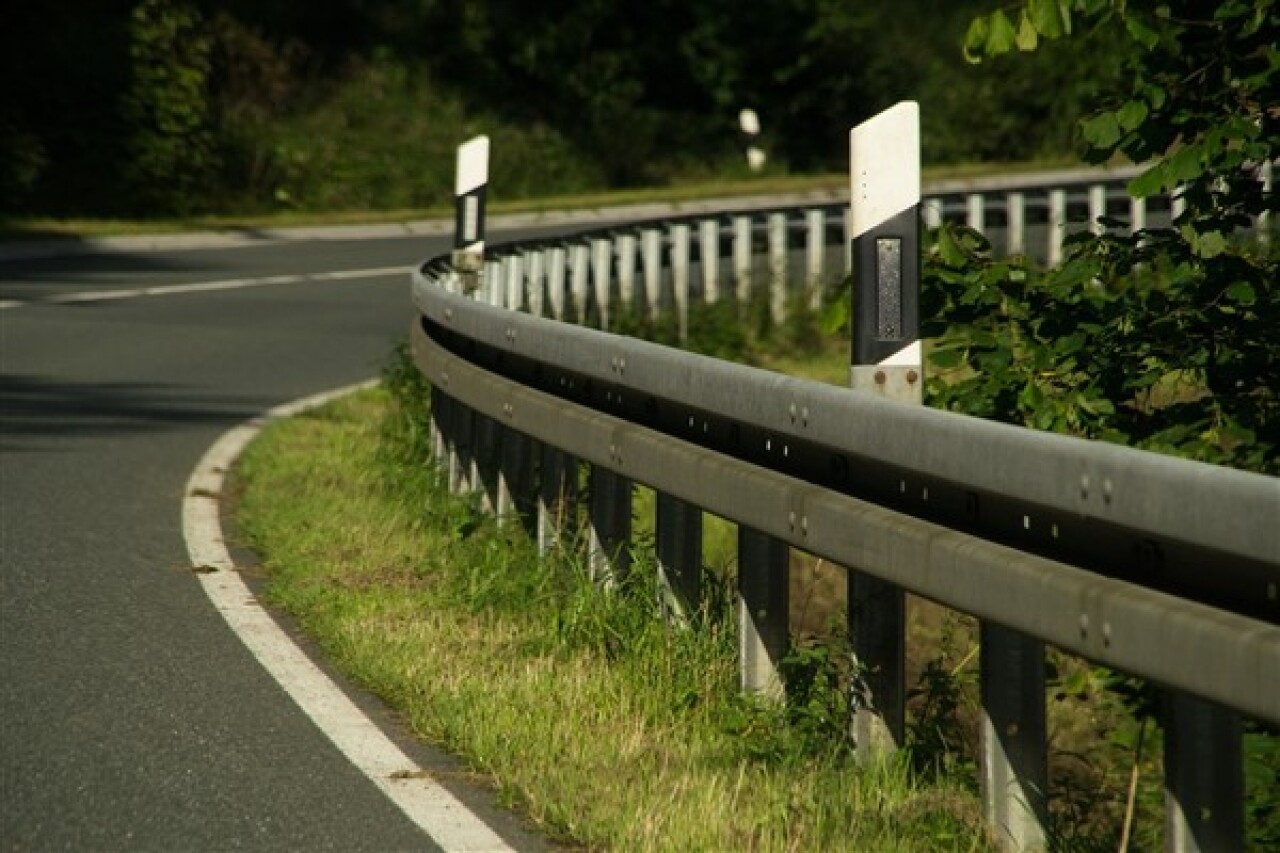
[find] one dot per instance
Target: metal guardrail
(1163, 568)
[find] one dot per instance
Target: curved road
(131, 718)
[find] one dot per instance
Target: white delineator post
(886, 360)
(471, 181)
(749, 124)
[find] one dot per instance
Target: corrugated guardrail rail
(1159, 567)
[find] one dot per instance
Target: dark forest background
(176, 107)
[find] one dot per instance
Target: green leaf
(1210, 244)
(1028, 38)
(1242, 292)
(1102, 130)
(1148, 183)
(1184, 166)
(1132, 114)
(1140, 32)
(1001, 36)
(1048, 17)
(975, 40)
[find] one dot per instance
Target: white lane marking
(204, 287)
(437, 812)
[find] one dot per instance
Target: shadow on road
(35, 410)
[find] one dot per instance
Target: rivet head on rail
(1084, 625)
(1107, 490)
(880, 377)
(912, 377)
(1084, 486)
(1106, 634)
(448, 313)
(793, 412)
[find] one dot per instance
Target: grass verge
(608, 728)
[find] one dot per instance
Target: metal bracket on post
(886, 360)
(471, 181)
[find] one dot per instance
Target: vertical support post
(651, 250)
(1013, 766)
(513, 473)
(742, 259)
(848, 240)
(1097, 207)
(557, 496)
(932, 212)
(886, 360)
(484, 461)
(1203, 776)
(470, 183)
(815, 248)
(493, 292)
(580, 279)
(679, 546)
(627, 271)
(601, 267)
(778, 266)
(1137, 214)
(609, 526)
(537, 271)
(514, 269)
(556, 265)
(1016, 227)
(460, 448)
(1057, 226)
(763, 611)
(976, 212)
(439, 428)
(680, 277)
(709, 246)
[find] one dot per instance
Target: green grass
(609, 729)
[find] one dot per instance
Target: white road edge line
(437, 812)
(203, 287)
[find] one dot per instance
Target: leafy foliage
(1165, 338)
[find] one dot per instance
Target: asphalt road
(131, 718)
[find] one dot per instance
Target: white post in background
(536, 271)
(627, 271)
(601, 261)
(1097, 208)
(651, 259)
(556, 266)
(1057, 225)
(471, 181)
(976, 212)
(514, 267)
(815, 222)
(1016, 223)
(709, 245)
(742, 259)
(580, 279)
(680, 277)
(778, 266)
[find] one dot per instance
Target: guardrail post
(439, 428)
(886, 360)
(931, 210)
(460, 447)
(1016, 227)
(1057, 230)
(493, 292)
(580, 279)
(679, 546)
(514, 269)
(1137, 214)
(815, 246)
(484, 461)
(742, 257)
(709, 249)
(848, 241)
(609, 526)
(1013, 764)
(513, 474)
(557, 496)
(651, 251)
(680, 277)
(763, 612)
(778, 266)
(556, 265)
(1204, 776)
(976, 212)
(601, 266)
(536, 265)
(627, 271)
(1097, 208)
